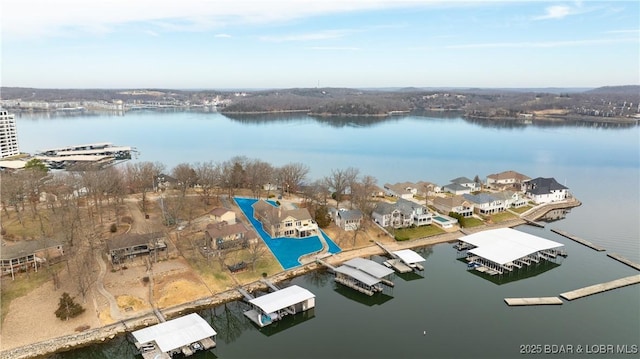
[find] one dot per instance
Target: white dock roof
(77, 158)
(281, 299)
(408, 256)
(358, 275)
(176, 333)
(370, 267)
(505, 245)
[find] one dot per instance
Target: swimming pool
(286, 250)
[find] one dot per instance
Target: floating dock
(579, 240)
(533, 301)
(602, 287)
(184, 335)
(624, 260)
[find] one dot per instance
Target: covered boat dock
(363, 275)
(502, 250)
(274, 306)
(183, 335)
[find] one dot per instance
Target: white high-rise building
(8, 135)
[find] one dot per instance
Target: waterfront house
(511, 198)
(464, 181)
(545, 190)
(456, 189)
(401, 214)
(131, 245)
(349, 220)
(223, 235)
(220, 214)
(456, 204)
(279, 222)
(404, 190)
(506, 180)
(485, 203)
(26, 255)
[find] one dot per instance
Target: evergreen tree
(68, 308)
(322, 217)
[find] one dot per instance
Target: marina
(94, 154)
(184, 335)
(578, 239)
(602, 287)
(533, 301)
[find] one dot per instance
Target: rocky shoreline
(102, 334)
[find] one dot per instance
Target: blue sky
(224, 44)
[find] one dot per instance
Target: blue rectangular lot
(287, 250)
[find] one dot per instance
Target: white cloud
(555, 12)
(332, 48)
(21, 18)
(320, 35)
(223, 36)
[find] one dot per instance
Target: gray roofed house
(401, 214)
(511, 198)
(131, 245)
(545, 190)
(485, 203)
(225, 235)
(349, 220)
(456, 188)
(456, 204)
(26, 255)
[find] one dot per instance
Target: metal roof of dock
(358, 275)
(281, 299)
(370, 267)
(505, 245)
(176, 333)
(409, 256)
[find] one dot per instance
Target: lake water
(463, 315)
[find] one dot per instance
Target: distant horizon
(244, 44)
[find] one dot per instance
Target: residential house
(220, 214)
(545, 190)
(456, 204)
(506, 180)
(401, 214)
(26, 255)
(511, 198)
(131, 245)
(223, 235)
(404, 190)
(456, 189)
(279, 222)
(349, 220)
(163, 181)
(485, 203)
(464, 181)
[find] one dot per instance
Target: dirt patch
(128, 303)
(173, 290)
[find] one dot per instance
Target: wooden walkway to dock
(269, 284)
(602, 287)
(579, 240)
(624, 260)
(533, 301)
(332, 268)
(245, 294)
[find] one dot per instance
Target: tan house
(279, 222)
(220, 214)
(223, 235)
(506, 180)
(456, 204)
(27, 255)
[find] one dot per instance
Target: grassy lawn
(404, 234)
(22, 285)
(470, 222)
(502, 216)
(522, 209)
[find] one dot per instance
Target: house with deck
(485, 203)
(402, 213)
(545, 190)
(456, 204)
(506, 180)
(131, 245)
(27, 255)
(511, 198)
(280, 222)
(348, 220)
(223, 235)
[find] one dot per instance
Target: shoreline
(110, 331)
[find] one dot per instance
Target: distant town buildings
(8, 135)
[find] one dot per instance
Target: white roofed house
(545, 190)
(456, 204)
(506, 180)
(456, 189)
(349, 220)
(485, 203)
